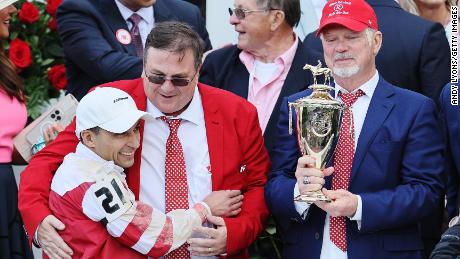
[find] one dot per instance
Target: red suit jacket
(238, 157)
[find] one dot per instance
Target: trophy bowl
(318, 118)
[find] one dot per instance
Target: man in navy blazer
(392, 180)
(265, 37)
(92, 33)
(451, 118)
(415, 52)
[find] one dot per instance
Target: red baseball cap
(355, 15)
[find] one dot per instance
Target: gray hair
(370, 35)
(291, 9)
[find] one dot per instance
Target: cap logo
(119, 99)
(338, 8)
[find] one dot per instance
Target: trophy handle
(290, 117)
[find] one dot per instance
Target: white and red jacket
(103, 219)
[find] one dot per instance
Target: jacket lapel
(239, 78)
(116, 22)
(133, 174)
(379, 108)
(296, 81)
(215, 135)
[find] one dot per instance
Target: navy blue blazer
(397, 171)
(223, 69)
(93, 54)
(415, 52)
(451, 118)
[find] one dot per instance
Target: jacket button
(316, 235)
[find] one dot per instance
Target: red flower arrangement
(36, 51)
(52, 6)
(57, 76)
(20, 54)
(29, 13)
(52, 24)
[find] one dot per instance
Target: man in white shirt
(387, 166)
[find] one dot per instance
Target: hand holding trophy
(318, 119)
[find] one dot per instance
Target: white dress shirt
(145, 25)
(329, 250)
(192, 135)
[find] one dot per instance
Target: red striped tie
(343, 161)
(176, 188)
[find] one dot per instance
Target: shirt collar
(368, 88)
(285, 59)
(146, 13)
(86, 152)
(194, 112)
(288, 56)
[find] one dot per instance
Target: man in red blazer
(222, 144)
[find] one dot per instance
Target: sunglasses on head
(241, 13)
(176, 81)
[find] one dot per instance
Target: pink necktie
(176, 188)
(343, 161)
(135, 34)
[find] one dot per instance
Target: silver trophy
(318, 122)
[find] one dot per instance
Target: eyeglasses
(176, 81)
(241, 13)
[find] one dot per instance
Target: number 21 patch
(112, 196)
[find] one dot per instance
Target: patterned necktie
(176, 188)
(134, 19)
(343, 160)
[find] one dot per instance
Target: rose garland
(36, 51)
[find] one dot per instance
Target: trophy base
(311, 197)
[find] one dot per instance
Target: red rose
(52, 6)
(29, 13)
(52, 24)
(57, 76)
(20, 54)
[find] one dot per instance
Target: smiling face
(5, 17)
(168, 98)
(254, 30)
(348, 53)
(116, 147)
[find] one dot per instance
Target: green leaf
(34, 40)
(47, 62)
(54, 50)
(271, 230)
